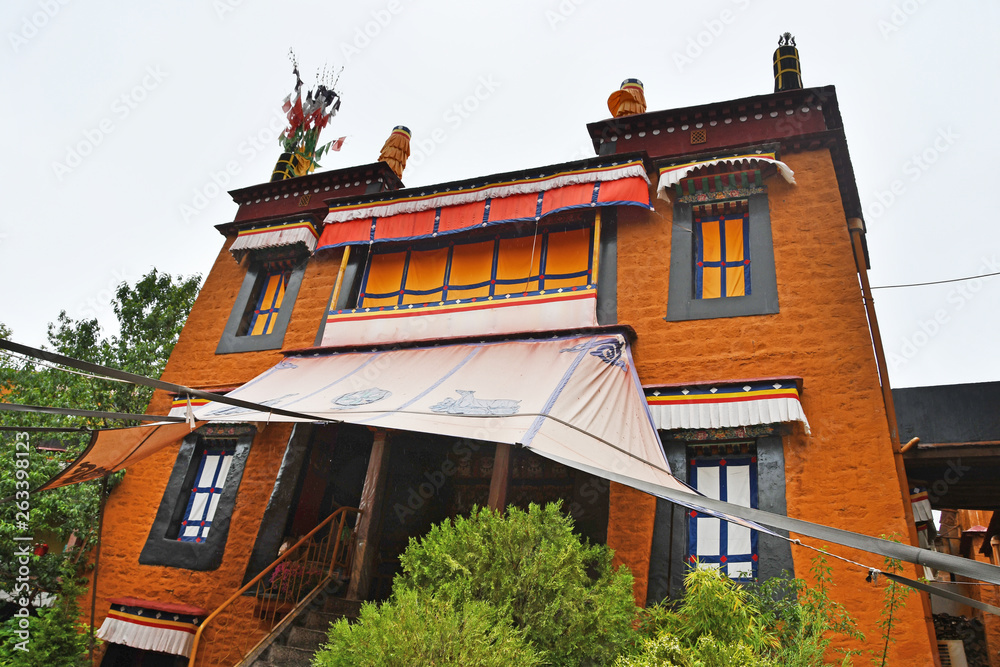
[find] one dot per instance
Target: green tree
(150, 316)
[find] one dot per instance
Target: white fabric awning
(726, 405)
(275, 236)
(151, 625)
(576, 398)
(670, 176)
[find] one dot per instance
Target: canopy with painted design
(575, 399)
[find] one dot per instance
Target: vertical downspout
(856, 228)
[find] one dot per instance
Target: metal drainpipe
(857, 229)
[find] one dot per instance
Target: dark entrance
(431, 478)
(323, 469)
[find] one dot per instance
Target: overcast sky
(128, 121)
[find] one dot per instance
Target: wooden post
(366, 543)
(501, 477)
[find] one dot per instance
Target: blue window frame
(722, 255)
(727, 473)
(205, 495)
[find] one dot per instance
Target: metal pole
(97, 564)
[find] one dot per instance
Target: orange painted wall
(132, 506)
(843, 474)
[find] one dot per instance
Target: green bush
(719, 623)
(531, 568)
(415, 629)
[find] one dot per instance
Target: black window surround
(231, 340)
(763, 299)
(162, 546)
(668, 565)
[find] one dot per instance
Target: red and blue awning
(428, 215)
(726, 405)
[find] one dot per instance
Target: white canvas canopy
(574, 398)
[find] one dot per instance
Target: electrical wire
(937, 282)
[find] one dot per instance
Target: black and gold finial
(787, 70)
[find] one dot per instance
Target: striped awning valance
(726, 405)
(278, 235)
(426, 215)
(151, 625)
(672, 175)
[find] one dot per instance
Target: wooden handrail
(341, 514)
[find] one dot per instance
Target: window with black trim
(192, 522)
(726, 472)
(743, 465)
(264, 304)
(721, 255)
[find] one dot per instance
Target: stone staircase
(299, 642)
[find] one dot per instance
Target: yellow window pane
(711, 283)
(516, 288)
(734, 240)
(568, 252)
(556, 283)
(385, 275)
(426, 269)
(433, 297)
(471, 263)
(469, 293)
(519, 258)
(735, 284)
(710, 242)
(267, 308)
(374, 302)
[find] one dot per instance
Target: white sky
(119, 116)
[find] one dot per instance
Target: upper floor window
(722, 251)
(263, 307)
(271, 288)
(552, 261)
(722, 258)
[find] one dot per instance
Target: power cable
(937, 282)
